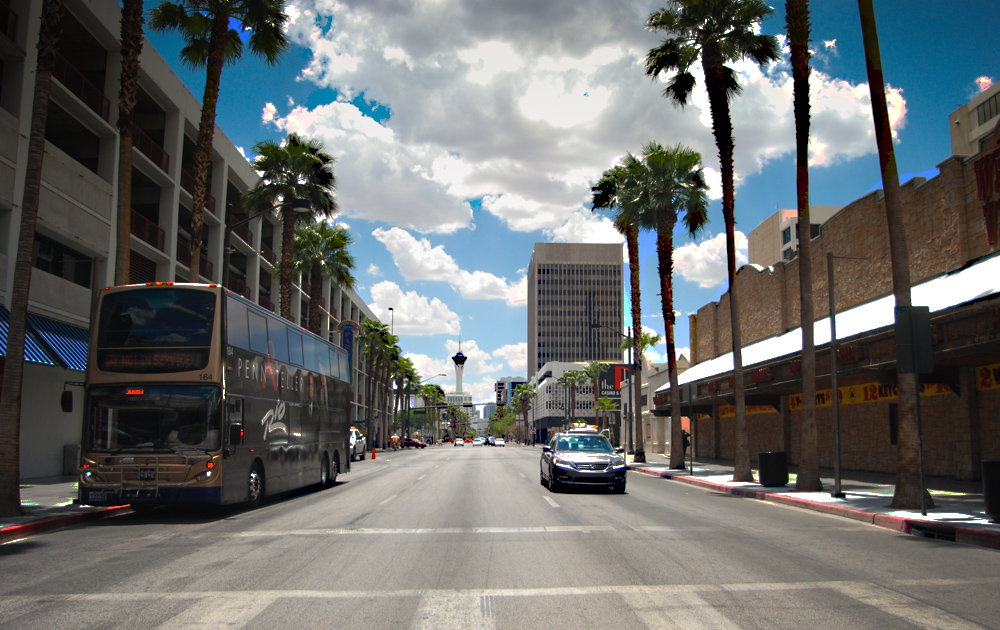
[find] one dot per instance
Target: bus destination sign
(156, 360)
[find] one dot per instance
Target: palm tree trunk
(131, 33)
(206, 135)
(315, 296)
(722, 129)
(632, 245)
(797, 18)
(597, 417)
(13, 367)
(908, 491)
(665, 261)
(287, 241)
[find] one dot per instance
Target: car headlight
(565, 463)
(617, 462)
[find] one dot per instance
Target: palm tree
(131, 35)
(605, 404)
(672, 183)
(797, 21)
(907, 494)
(211, 43)
(644, 341)
(378, 342)
(523, 395)
(716, 33)
(295, 169)
(13, 373)
(321, 249)
(615, 192)
(433, 395)
(575, 378)
(593, 371)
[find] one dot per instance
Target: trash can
(773, 469)
(991, 489)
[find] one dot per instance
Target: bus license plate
(98, 496)
(147, 474)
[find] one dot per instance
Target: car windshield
(168, 418)
(584, 443)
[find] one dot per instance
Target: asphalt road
(466, 537)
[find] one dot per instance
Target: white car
(359, 446)
(478, 442)
(498, 442)
(459, 442)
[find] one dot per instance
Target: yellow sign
(864, 393)
(729, 411)
(988, 377)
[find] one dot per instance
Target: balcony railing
(266, 303)
(75, 82)
(237, 285)
(8, 25)
(184, 258)
(187, 183)
(243, 231)
(268, 254)
(148, 231)
(150, 149)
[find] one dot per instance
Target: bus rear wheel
(334, 471)
(324, 473)
(255, 486)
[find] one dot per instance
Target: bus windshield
(156, 317)
(159, 417)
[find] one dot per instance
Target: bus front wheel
(255, 486)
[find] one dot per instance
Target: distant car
(414, 443)
(582, 457)
(491, 441)
(478, 442)
(358, 445)
(498, 442)
(459, 442)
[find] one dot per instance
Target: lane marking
(389, 499)
(522, 474)
(209, 613)
(680, 611)
(550, 502)
(421, 477)
(444, 611)
(913, 610)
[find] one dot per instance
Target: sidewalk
(959, 516)
(49, 503)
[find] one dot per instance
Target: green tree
(716, 33)
(797, 22)
(523, 395)
(377, 343)
(211, 43)
(13, 373)
(131, 38)
(297, 169)
(433, 396)
(643, 341)
(907, 494)
(605, 404)
(593, 371)
(672, 187)
(615, 191)
(322, 249)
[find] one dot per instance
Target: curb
(926, 529)
(14, 532)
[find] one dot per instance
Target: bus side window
(234, 417)
(334, 364)
(295, 347)
(258, 333)
(277, 339)
(236, 324)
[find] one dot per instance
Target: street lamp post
(631, 377)
(302, 206)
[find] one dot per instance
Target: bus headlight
(205, 476)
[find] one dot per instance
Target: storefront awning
(34, 351)
(67, 342)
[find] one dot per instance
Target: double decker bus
(196, 395)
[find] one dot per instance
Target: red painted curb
(14, 532)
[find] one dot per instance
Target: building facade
(575, 303)
(75, 241)
(777, 237)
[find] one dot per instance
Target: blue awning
(67, 342)
(33, 350)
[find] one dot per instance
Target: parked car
(358, 445)
(491, 441)
(582, 457)
(478, 442)
(459, 442)
(414, 443)
(498, 442)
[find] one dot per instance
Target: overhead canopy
(34, 352)
(49, 342)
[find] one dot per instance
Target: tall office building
(571, 288)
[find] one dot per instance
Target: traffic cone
(373, 452)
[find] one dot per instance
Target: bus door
(237, 453)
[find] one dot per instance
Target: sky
(466, 131)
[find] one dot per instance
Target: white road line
(683, 611)
(522, 474)
(235, 610)
(444, 611)
(389, 499)
(421, 477)
(915, 611)
(551, 502)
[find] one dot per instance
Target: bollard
(373, 452)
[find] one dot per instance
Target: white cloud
(418, 260)
(373, 270)
(527, 119)
(515, 354)
(705, 262)
(413, 314)
(984, 83)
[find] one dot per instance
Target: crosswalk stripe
(235, 610)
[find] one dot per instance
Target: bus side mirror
(67, 401)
